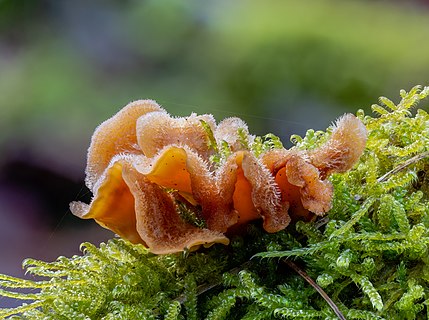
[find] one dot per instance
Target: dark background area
(282, 66)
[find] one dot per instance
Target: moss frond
(265, 143)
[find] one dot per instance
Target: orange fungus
(145, 168)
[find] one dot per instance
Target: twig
(307, 278)
(201, 289)
(321, 222)
(403, 165)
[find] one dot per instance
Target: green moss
(370, 254)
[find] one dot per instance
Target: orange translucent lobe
(114, 206)
(170, 171)
(292, 195)
(242, 197)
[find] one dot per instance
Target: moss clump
(370, 254)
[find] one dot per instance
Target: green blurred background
(282, 66)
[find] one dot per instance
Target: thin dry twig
(307, 278)
(403, 165)
(201, 289)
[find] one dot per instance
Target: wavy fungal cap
(174, 184)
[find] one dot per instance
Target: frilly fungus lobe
(148, 170)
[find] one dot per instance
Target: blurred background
(282, 66)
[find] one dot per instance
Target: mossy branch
(369, 254)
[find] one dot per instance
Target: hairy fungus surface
(174, 184)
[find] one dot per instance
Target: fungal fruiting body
(156, 182)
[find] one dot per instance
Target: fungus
(134, 161)
(343, 149)
(302, 175)
(147, 170)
